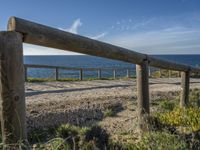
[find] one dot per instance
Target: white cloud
(102, 35)
(39, 50)
(74, 28)
(165, 41)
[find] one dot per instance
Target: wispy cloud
(164, 41)
(132, 24)
(74, 27)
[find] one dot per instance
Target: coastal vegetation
(163, 73)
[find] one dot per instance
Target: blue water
(83, 61)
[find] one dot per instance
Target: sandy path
(81, 101)
(62, 91)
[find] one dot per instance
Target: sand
(82, 102)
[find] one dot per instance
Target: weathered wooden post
(185, 88)
(143, 94)
(114, 73)
(128, 73)
(99, 73)
(26, 73)
(81, 74)
(57, 74)
(13, 109)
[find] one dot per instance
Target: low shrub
(67, 130)
(163, 73)
(86, 138)
(162, 141)
(70, 133)
(185, 117)
(194, 97)
(167, 105)
(40, 135)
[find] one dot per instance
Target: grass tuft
(109, 113)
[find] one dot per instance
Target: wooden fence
(99, 71)
(12, 71)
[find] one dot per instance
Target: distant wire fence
(58, 72)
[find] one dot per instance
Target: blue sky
(147, 26)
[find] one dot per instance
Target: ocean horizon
(85, 61)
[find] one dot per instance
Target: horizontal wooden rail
(50, 37)
(38, 34)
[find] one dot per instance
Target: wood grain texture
(13, 110)
(165, 64)
(185, 88)
(143, 94)
(50, 37)
(26, 73)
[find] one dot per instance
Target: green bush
(164, 73)
(188, 118)
(67, 130)
(70, 133)
(167, 105)
(194, 97)
(86, 138)
(162, 141)
(40, 135)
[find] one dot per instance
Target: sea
(85, 61)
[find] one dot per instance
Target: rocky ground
(84, 102)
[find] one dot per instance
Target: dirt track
(80, 102)
(80, 91)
